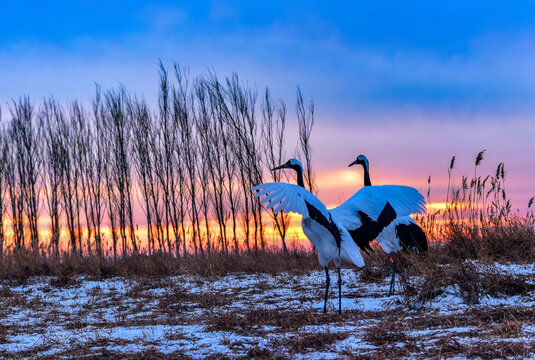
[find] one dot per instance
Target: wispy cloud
(494, 73)
(404, 83)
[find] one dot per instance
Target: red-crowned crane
(402, 233)
(327, 229)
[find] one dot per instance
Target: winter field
(206, 272)
(460, 310)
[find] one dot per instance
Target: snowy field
(257, 316)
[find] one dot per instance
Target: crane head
(290, 164)
(361, 160)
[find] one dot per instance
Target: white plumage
(370, 209)
(389, 238)
(288, 198)
(371, 200)
(292, 198)
(402, 232)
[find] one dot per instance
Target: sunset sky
(407, 83)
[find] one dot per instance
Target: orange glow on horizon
(294, 234)
(435, 206)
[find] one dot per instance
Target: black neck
(367, 181)
(299, 172)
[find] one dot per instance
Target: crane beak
(353, 163)
(283, 166)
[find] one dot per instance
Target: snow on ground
(257, 316)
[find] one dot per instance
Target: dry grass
(423, 279)
(464, 258)
(85, 319)
(302, 343)
(510, 241)
(21, 264)
(383, 334)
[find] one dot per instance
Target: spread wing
(289, 198)
(373, 200)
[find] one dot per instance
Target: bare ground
(260, 316)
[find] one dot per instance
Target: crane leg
(328, 282)
(392, 282)
(339, 292)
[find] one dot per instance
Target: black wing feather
(329, 224)
(371, 228)
(412, 238)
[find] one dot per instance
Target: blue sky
(424, 63)
(447, 55)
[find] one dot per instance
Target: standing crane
(327, 229)
(402, 233)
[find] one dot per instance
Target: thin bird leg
(394, 266)
(328, 282)
(339, 292)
